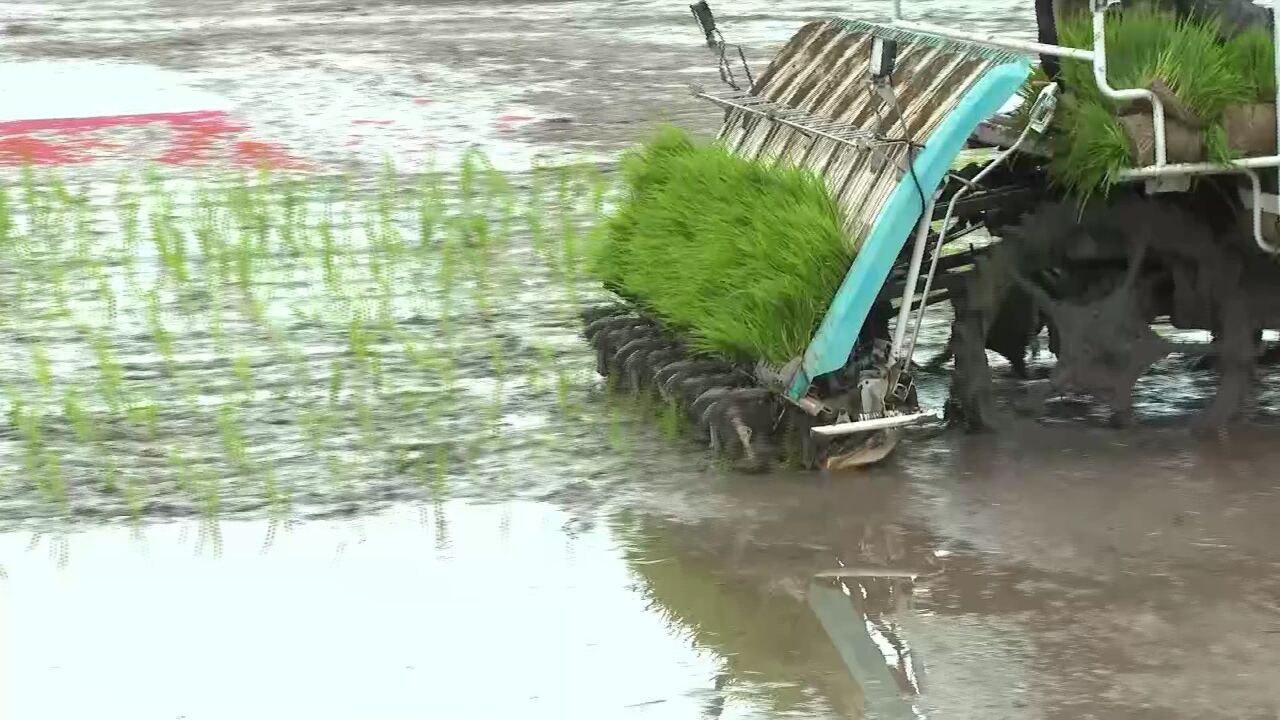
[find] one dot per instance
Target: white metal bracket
(1167, 184)
(873, 424)
(1269, 203)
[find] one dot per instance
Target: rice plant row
(172, 346)
(1202, 76)
(741, 257)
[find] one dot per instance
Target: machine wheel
(1099, 276)
(722, 404)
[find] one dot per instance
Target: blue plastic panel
(831, 344)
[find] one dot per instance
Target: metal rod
(883, 423)
(1100, 77)
(1275, 40)
(942, 235)
(1154, 171)
(997, 41)
(867, 571)
(1097, 56)
(1256, 184)
(913, 276)
(772, 116)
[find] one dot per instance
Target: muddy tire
(741, 425)
(600, 312)
(671, 386)
(640, 369)
(1098, 276)
(595, 328)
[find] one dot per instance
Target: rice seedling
(370, 440)
(83, 235)
(215, 269)
(231, 432)
(127, 206)
(535, 211)
(57, 283)
(388, 235)
(242, 368)
(440, 465)
(135, 498)
(6, 219)
(742, 258)
(615, 432)
(217, 328)
(534, 374)
(259, 208)
(110, 375)
(181, 468)
(1253, 53)
(42, 369)
(337, 472)
(563, 387)
(82, 425)
(568, 229)
(671, 422)
(33, 207)
(467, 180)
(1147, 45)
(279, 500)
(335, 382)
(160, 335)
(27, 422)
(243, 257)
(1098, 149)
(493, 415)
(107, 296)
(51, 481)
(255, 309)
(447, 370)
(430, 208)
(145, 416)
(290, 237)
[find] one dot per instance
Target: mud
(465, 612)
(1063, 570)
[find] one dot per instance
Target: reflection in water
(859, 616)
(772, 648)
(1117, 575)
(500, 610)
(351, 618)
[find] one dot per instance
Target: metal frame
(1098, 56)
(791, 117)
(880, 423)
(903, 345)
(1047, 94)
(902, 349)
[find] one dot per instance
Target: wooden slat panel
(823, 71)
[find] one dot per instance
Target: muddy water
(459, 612)
(581, 564)
(350, 81)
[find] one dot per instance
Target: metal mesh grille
(814, 107)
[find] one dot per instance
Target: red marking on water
(259, 154)
(26, 149)
(421, 101)
(192, 137)
(514, 118)
(109, 121)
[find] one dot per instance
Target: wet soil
(1063, 570)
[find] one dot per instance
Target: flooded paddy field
(340, 451)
